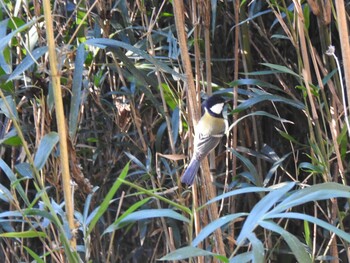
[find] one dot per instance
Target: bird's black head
(214, 105)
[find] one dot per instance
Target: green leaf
(253, 82)
(169, 96)
(104, 42)
(253, 17)
(33, 255)
(159, 137)
(47, 143)
(267, 97)
(287, 136)
(257, 248)
(87, 205)
(281, 69)
(313, 193)
(260, 113)
(5, 194)
(136, 161)
(308, 167)
(105, 203)
(11, 138)
(27, 62)
(243, 258)
(307, 233)
(4, 61)
(261, 208)
(147, 214)
(314, 220)
(298, 249)
(41, 213)
(252, 189)
(5, 41)
(76, 98)
(14, 182)
(250, 166)
(8, 107)
(24, 234)
(24, 169)
(273, 169)
(190, 252)
(175, 123)
(130, 210)
(212, 226)
(136, 73)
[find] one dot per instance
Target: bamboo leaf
(257, 248)
(146, 214)
(281, 69)
(243, 258)
(267, 97)
(261, 208)
(33, 255)
(314, 220)
(251, 168)
(104, 42)
(23, 234)
(47, 143)
(105, 203)
(313, 193)
(12, 177)
(212, 226)
(76, 98)
(175, 124)
(252, 189)
(4, 41)
(130, 210)
(298, 249)
(8, 107)
(191, 252)
(27, 62)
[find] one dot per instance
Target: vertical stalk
(344, 43)
(61, 124)
(195, 113)
(235, 117)
(197, 60)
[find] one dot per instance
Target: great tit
(208, 133)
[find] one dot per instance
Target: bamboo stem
(195, 113)
(61, 124)
(344, 43)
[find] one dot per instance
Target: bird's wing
(206, 143)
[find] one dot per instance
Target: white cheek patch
(217, 108)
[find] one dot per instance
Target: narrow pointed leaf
(47, 143)
(147, 214)
(76, 98)
(191, 252)
(298, 249)
(130, 210)
(24, 234)
(28, 61)
(314, 220)
(8, 107)
(212, 226)
(104, 42)
(261, 208)
(105, 204)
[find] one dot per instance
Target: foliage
(280, 180)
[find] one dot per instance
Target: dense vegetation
(97, 122)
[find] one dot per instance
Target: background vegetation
(131, 75)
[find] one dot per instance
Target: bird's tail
(191, 171)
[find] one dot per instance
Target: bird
(208, 133)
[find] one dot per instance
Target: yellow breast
(210, 125)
